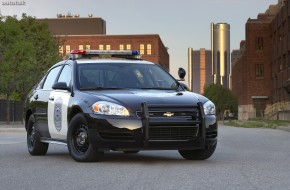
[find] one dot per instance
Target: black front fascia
(157, 127)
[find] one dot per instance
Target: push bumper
(145, 132)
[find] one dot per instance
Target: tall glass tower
(220, 47)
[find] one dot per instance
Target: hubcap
(32, 135)
(81, 139)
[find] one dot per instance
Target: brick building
(75, 25)
(90, 33)
(260, 69)
(280, 62)
(251, 80)
(150, 46)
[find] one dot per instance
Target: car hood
(133, 98)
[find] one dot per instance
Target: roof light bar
(105, 52)
(127, 54)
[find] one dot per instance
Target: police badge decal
(57, 114)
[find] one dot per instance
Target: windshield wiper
(101, 88)
(157, 88)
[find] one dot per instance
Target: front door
(57, 114)
(58, 106)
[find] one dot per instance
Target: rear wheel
(35, 147)
(199, 154)
(79, 146)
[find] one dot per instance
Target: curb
(283, 128)
(12, 130)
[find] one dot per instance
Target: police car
(100, 101)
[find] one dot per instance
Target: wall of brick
(280, 54)
(158, 54)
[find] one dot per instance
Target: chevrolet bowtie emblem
(168, 114)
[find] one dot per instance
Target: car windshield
(123, 75)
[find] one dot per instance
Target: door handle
(35, 97)
(51, 98)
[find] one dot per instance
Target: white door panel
(57, 114)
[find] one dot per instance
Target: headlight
(209, 108)
(108, 108)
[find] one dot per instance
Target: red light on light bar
(80, 52)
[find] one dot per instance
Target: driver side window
(65, 75)
(51, 77)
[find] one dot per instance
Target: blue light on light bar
(134, 52)
(127, 54)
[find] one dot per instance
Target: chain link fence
(16, 110)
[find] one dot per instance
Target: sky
(180, 23)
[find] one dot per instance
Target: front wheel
(35, 147)
(199, 154)
(79, 146)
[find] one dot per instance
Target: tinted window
(65, 75)
(51, 77)
(39, 85)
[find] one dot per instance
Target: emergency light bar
(103, 54)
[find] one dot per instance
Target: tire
(79, 146)
(35, 147)
(131, 152)
(199, 154)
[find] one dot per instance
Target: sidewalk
(16, 127)
(283, 128)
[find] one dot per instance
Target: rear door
(40, 103)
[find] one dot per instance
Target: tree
(223, 98)
(27, 50)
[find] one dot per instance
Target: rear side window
(51, 77)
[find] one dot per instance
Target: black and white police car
(99, 101)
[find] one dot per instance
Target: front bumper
(148, 133)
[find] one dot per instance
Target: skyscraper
(220, 46)
(199, 68)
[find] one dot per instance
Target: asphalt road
(244, 159)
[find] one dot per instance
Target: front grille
(173, 133)
(116, 135)
(170, 122)
(171, 114)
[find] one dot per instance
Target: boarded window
(259, 43)
(259, 71)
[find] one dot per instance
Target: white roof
(80, 61)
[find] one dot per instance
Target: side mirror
(60, 86)
(181, 73)
(184, 86)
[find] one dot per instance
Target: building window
(108, 47)
(101, 47)
(81, 47)
(149, 51)
(142, 49)
(88, 46)
(67, 49)
(121, 46)
(259, 43)
(288, 63)
(128, 47)
(279, 65)
(60, 49)
(259, 71)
